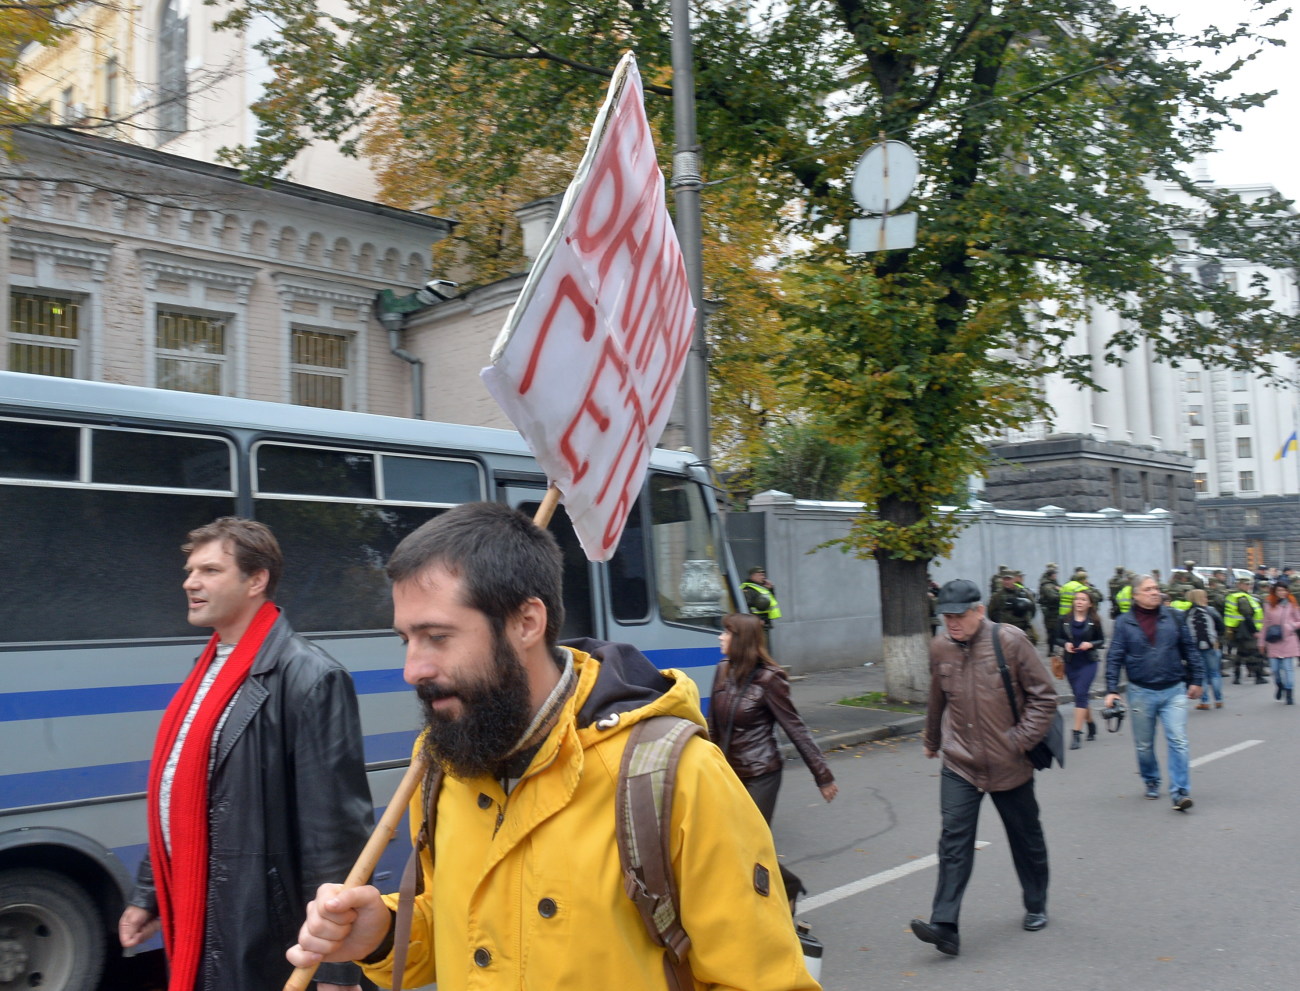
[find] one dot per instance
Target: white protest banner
(589, 359)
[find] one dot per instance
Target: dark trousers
(763, 790)
(959, 803)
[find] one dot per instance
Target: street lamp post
(686, 183)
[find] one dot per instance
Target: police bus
(99, 485)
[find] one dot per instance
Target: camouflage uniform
(1049, 592)
(1013, 605)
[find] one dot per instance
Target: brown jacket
(969, 718)
(744, 725)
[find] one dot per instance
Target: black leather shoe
(1035, 921)
(944, 937)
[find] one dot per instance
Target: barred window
(44, 334)
(320, 369)
(191, 352)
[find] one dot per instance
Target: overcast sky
(1267, 149)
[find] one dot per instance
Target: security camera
(433, 291)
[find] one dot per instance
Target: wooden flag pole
(386, 829)
(374, 849)
(547, 509)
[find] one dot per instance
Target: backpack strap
(643, 806)
(412, 876)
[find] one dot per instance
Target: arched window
(173, 88)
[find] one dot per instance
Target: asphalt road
(1141, 897)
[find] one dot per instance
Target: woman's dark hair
(748, 648)
(1274, 598)
(1092, 609)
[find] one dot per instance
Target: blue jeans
(1213, 683)
(1283, 672)
(1169, 706)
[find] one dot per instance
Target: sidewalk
(816, 696)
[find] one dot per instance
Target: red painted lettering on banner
(567, 291)
(590, 409)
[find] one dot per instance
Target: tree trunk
(904, 615)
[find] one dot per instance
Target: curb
(849, 738)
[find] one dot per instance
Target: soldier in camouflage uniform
(1049, 592)
(1216, 590)
(1192, 576)
(1013, 604)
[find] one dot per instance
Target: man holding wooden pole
(520, 871)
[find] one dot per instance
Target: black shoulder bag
(1052, 746)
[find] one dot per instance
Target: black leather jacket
(743, 724)
(288, 809)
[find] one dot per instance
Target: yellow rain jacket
(527, 891)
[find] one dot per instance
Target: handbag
(1058, 667)
(1273, 634)
(1050, 747)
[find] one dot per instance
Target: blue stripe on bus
(72, 784)
(63, 703)
(84, 701)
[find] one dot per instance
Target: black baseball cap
(958, 596)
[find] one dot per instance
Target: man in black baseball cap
(983, 743)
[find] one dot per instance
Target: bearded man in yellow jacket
(521, 883)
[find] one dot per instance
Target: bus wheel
(50, 934)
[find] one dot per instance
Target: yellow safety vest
(1068, 592)
(773, 611)
(1124, 598)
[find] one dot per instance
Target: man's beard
(495, 712)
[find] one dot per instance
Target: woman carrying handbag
(1075, 640)
(1279, 640)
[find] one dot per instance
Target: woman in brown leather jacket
(751, 694)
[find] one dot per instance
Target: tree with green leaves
(1044, 132)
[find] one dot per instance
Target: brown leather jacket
(969, 717)
(743, 725)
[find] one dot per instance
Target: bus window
(629, 598)
(690, 583)
(291, 470)
(166, 461)
(435, 480)
(578, 618)
(41, 451)
(117, 552)
(337, 535)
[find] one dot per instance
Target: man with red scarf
(257, 789)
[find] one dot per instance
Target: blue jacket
(1172, 659)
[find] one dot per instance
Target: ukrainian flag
(1290, 444)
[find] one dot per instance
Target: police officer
(1242, 616)
(1117, 581)
(1078, 583)
(760, 597)
(1124, 597)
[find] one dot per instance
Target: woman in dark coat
(1077, 638)
(751, 694)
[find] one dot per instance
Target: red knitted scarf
(181, 879)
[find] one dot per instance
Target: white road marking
(874, 881)
(1235, 748)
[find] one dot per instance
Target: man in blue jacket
(1154, 645)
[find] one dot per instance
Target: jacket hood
(627, 685)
